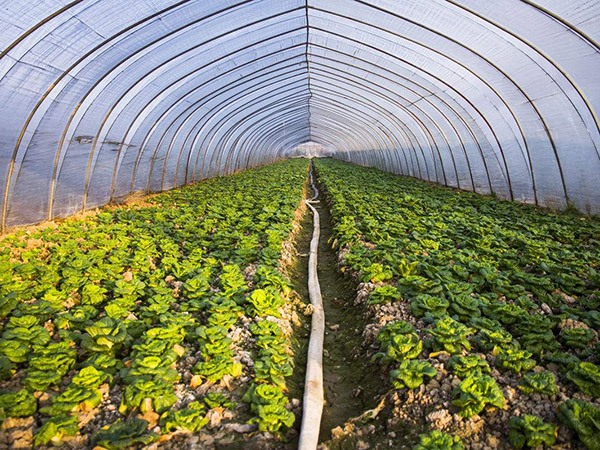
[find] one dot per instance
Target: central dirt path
(349, 384)
(345, 372)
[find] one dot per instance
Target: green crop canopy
(103, 98)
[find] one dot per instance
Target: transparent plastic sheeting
(104, 98)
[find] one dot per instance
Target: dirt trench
(347, 377)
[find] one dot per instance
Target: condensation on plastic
(105, 98)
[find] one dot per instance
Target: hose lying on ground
(313, 384)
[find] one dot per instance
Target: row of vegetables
(501, 296)
(173, 309)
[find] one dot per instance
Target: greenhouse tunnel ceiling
(104, 98)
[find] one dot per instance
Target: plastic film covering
(105, 98)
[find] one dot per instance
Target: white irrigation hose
(313, 384)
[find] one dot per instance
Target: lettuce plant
(384, 294)
(475, 392)
(42, 310)
(507, 313)
(531, 432)
(82, 394)
(93, 294)
(55, 429)
(376, 273)
(265, 302)
(75, 398)
(7, 304)
(398, 342)
(159, 392)
(152, 368)
(487, 339)
(265, 328)
(450, 335)
(102, 361)
(514, 360)
(540, 382)
(411, 374)
(76, 318)
(406, 268)
(91, 377)
(190, 419)
(586, 376)
(216, 400)
(15, 351)
(26, 330)
(269, 277)
(215, 368)
(567, 360)
(539, 342)
(122, 435)
(273, 369)
(104, 336)
(274, 362)
(268, 403)
(120, 308)
(577, 338)
(463, 366)
(49, 364)
(225, 313)
(584, 418)
(129, 289)
(430, 306)
(7, 368)
(232, 280)
(17, 404)
(438, 440)
(464, 306)
(196, 287)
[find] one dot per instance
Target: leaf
(17, 404)
(475, 392)
(437, 440)
(584, 418)
(55, 429)
(411, 374)
(531, 431)
(122, 435)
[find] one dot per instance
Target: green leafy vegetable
(531, 432)
(190, 419)
(514, 360)
(17, 404)
(55, 429)
(398, 342)
(124, 435)
(586, 376)
(584, 418)
(384, 294)
(268, 402)
(437, 440)
(433, 306)
(450, 335)
(463, 366)
(540, 382)
(265, 303)
(411, 374)
(475, 392)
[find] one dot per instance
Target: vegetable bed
(146, 323)
(483, 314)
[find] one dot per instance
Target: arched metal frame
(107, 98)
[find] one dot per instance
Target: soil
(348, 382)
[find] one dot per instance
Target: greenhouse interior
(332, 224)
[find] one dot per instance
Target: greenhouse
(341, 224)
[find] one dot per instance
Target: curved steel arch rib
(155, 94)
